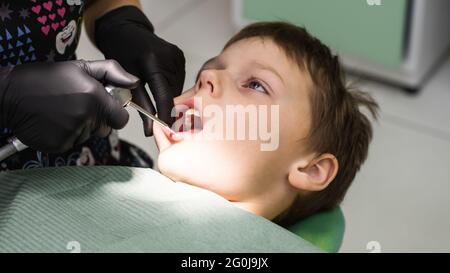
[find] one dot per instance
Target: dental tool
(11, 148)
(120, 94)
(124, 97)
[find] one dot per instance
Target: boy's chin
(170, 167)
(166, 170)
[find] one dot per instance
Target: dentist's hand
(53, 106)
(126, 35)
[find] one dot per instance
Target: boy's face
(253, 73)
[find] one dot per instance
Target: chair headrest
(324, 229)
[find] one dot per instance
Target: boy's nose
(209, 81)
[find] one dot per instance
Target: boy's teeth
(192, 120)
(192, 112)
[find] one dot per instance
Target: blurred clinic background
(395, 49)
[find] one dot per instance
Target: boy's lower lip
(179, 136)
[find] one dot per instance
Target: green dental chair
(325, 230)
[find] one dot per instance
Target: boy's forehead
(259, 51)
(256, 44)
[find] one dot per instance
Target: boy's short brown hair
(338, 126)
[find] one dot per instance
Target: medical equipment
(398, 42)
(13, 147)
(120, 94)
(124, 97)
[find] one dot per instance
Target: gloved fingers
(102, 131)
(171, 63)
(180, 77)
(109, 72)
(83, 136)
(168, 60)
(110, 112)
(180, 72)
(162, 81)
(142, 98)
(162, 94)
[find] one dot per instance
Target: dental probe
(122, 95)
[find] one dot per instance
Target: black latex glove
(53, 106)
(126, 35)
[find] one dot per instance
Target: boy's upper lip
(191, 103)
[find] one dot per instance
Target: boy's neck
(258, 208)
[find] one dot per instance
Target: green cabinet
(375, 33)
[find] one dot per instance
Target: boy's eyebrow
(214, 62)
(271, 69)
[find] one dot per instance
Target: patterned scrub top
(48, 31)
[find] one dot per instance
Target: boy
(322, 137)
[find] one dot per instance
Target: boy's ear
(316, 175)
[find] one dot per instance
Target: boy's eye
(256, 85)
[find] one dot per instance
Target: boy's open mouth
(189, 121)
